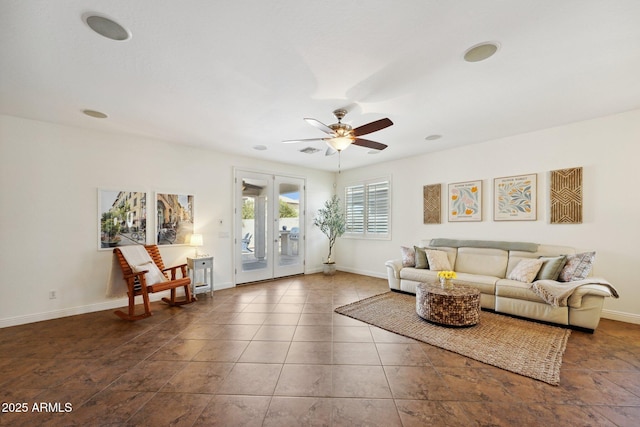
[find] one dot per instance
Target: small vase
(445, 283)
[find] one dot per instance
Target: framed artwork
(514, 198)
(465, 201)
(566, 196)
(174, 218)
(122, 218)
(431, 202)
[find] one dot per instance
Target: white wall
(607, 148)
(49, 176)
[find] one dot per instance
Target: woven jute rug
(527, 348)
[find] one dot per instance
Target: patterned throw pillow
(421, 258)
(578, 267)
(526, 270)
(408, 256)
(438, 260)
(551, 267)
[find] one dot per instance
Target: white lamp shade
(196, 240)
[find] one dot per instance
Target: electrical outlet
(53, 294)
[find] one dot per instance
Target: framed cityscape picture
(514, 198)
(122, 218)
(174, 218)
(465, 201)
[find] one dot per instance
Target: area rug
(527, 348)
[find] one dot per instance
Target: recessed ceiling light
(480, 52)
(106, 27)
(433, 137)
(95, 114)
(260, 147)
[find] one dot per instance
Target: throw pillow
(408, 256)
(438, 260)
(578, 267)
(526, 270)
(421, 258)
(154, 274)
(551, 267)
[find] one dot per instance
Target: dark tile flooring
(275, 354)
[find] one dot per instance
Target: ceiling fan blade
(324, 128)
(369, 144)
(291, 141)
(372, 127)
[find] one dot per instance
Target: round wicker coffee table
(455, 306)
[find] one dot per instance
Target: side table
(456, 306)
(206, 265)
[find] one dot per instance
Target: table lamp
(196, 240)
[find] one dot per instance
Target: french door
(269, 226)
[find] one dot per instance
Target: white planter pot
(329, 269)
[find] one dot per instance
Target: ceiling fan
(343, 135)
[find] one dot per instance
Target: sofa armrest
(575, 300)
(393, 273)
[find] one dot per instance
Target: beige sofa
(486, 266)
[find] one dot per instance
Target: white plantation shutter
(378, 208)
(367, 209)
(354, 208)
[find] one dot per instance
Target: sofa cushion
(408, 256)
(517, 290)
(526, 270)
(551, 267)
(483, 261)
(507, 246)
(438, 260)
(486, 284)
(421, 257)
(418, 274)
(577, 267)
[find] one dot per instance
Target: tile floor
(275, 354)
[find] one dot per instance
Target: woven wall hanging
(566, 196)
(431, 203)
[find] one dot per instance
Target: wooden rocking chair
(137, 285)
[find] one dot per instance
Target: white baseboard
(621, 316)
(363, 272)
(70, 311)
(84, 309)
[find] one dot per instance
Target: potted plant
(331, 222)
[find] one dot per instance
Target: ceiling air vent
(309, 150)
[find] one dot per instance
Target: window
(367, 209)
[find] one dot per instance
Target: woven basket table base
(455, 306)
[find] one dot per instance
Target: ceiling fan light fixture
(340, 143)
(106, 27)
(481, 51)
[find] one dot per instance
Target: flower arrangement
(447, 275)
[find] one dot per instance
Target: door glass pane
(289, 222)
(254, 224)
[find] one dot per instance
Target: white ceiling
(230, 75)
